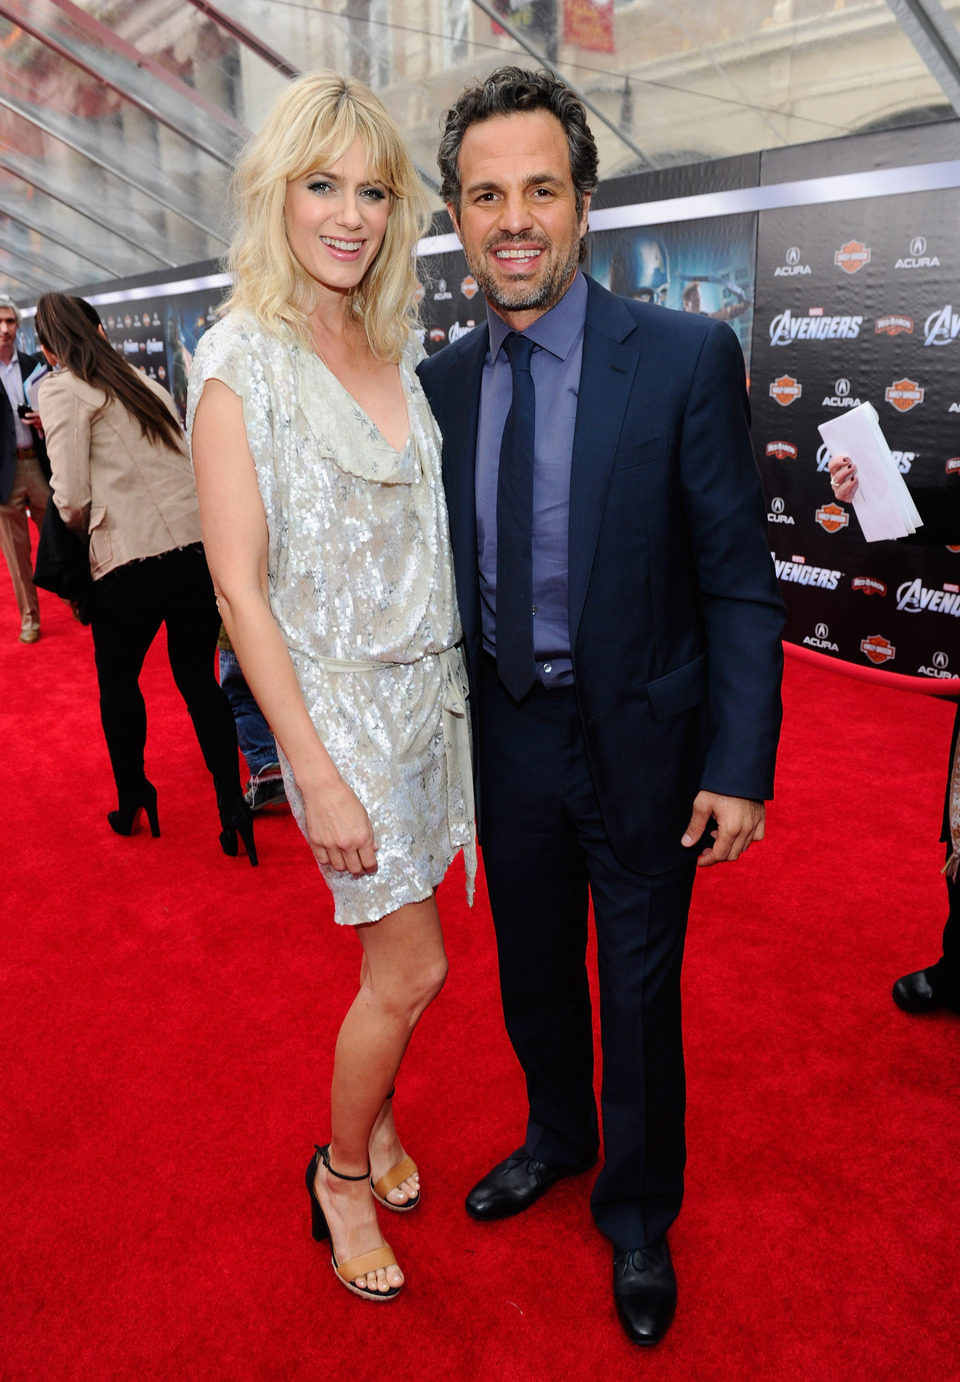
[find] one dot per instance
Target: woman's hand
(843, 478)
(339, 829)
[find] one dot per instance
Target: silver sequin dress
(361, 584)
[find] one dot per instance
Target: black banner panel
(860, 302)
(159, 335)
(451, 303)
(842, 289)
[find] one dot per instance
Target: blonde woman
(318, 472)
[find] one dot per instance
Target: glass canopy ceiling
(120, 119)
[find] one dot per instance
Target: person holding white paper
(937, 985)
(881, 501)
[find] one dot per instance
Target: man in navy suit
(24, 470)
(640, 737)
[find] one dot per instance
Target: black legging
(129, 605)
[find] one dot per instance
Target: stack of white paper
(882, 502)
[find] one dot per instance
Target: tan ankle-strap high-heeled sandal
(403, 1170)
(364, 1263)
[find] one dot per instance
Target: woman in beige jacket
(121, 475)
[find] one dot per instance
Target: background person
(121, 476)
(937, 985)
(264, 790)
(692, 301)
(318, 470)
(24, 470)
(622, 623)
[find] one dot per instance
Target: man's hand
(739, 822)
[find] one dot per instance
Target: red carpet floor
(167, 1016)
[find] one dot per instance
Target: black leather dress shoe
(645, 1291)
(914, 993)
(515, 1184)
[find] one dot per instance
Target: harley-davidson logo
(877, 648)
(852, 256)
(904, 394)
(785, 390)
(832, 518)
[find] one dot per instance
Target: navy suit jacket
(8, 434)
(8, 447)
(675, 613)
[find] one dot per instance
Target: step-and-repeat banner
(155, 321)
(841, 289)
(860, 302)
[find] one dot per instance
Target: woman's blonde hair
(310, 127)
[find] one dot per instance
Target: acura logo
(918, 245)
(793, 255)
(940, 660)
(777, 506)
(822, 631)
(842, 387)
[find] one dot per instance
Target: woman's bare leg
(386, 1151)
(404, 966)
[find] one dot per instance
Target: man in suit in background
(24, 470)
(622, 629)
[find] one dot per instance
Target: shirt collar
(557, 330)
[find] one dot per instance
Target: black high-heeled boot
(130, 802)
(236, 819)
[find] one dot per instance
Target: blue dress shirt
(555, 367)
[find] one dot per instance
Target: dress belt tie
(455, 726)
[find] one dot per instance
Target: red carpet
(167, 1020)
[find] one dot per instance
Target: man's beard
(526, 297)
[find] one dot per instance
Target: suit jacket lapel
(607, 373)
(457, 391)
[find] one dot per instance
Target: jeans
(257, 743)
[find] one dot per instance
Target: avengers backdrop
(834, 302)
(855, 303)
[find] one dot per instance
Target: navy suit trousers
(546, 856)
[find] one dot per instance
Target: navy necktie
(515, 664)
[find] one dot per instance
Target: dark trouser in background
(545, 851)
(30, 491)
(129, 606)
